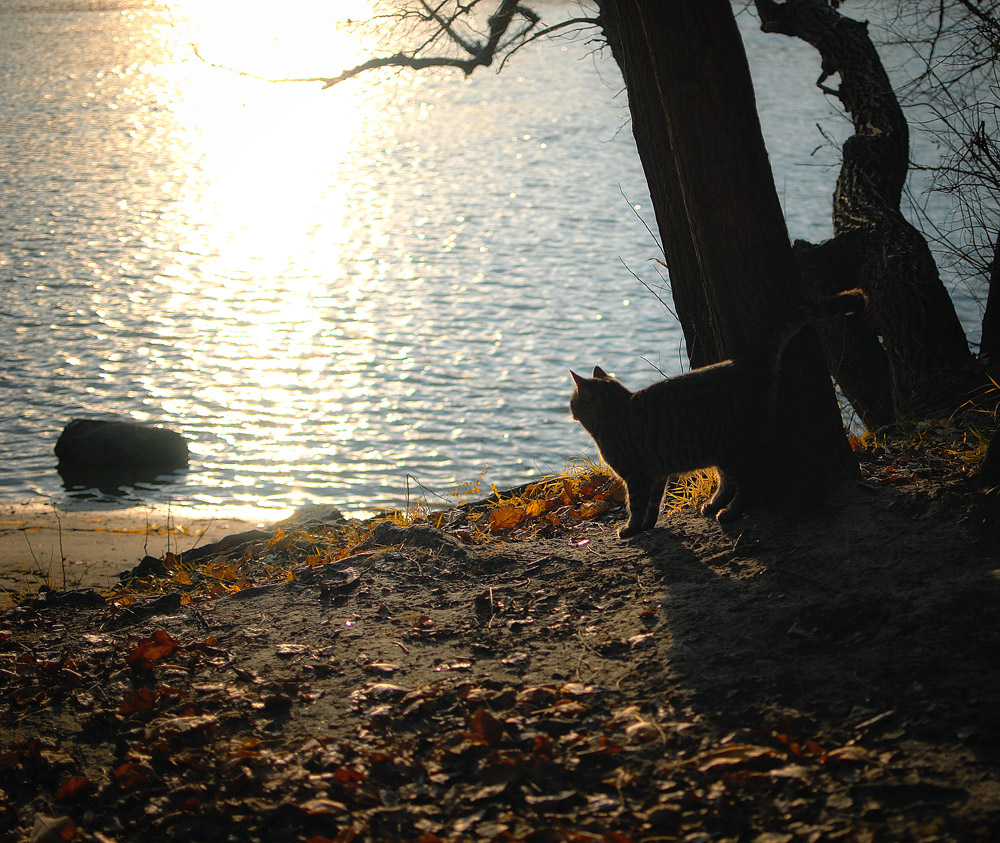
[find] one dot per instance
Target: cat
(714, 417)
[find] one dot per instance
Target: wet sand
(42, 545)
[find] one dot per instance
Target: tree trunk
(854, 355)
(989, 345)
(927, 355)
(732, 272)
(989, 470)
(649, 127)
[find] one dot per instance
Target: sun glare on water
(256, 178)
(274, 40)
(258, 150)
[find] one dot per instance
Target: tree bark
(659, 165)
(989, 469)
(931, 367)
(989, 345)
(731, 266)
(854, 355)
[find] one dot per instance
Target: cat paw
(728, 514)
(710, 509)
(626, 532)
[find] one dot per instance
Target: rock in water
(89, 445)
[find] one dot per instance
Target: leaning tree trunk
(732, 272)
(853, 352)
(929, 365)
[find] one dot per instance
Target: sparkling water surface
(341, 296)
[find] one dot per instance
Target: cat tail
(842, 304)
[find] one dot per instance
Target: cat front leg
(653, 506)
(637, 499)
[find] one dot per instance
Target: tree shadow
(880, 607)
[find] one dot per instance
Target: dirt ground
(832, 678)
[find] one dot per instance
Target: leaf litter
(508, 670)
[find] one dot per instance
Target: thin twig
(635, 211)
(30, 549)
(62, 554)
(669, 309)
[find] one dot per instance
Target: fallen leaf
(490, 791)
(138, 700)
(593, 509)
(149, 650)
(381, 667)
(323, 807)
(578, 689)
(537, 507)
(50, 829)
(789, 771)
(131, 773)
(347, 775)
(73, 786)
(180, 726)
(851, 752)
(459, 665)
(737, 754)
(486, 727)
(553, 801)
(506, 517)
(379, 691)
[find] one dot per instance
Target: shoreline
(41, 544)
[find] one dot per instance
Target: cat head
(599, 374)
(594, 399)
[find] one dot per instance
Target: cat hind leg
(727, 492)
(734, 508)
(744, 491)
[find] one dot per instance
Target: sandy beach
(41, 544)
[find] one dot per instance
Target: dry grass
(948, 448)
(555, 503)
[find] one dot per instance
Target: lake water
(333, 294)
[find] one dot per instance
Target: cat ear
(576, 377)
(599, 372)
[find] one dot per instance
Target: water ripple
(326, 292)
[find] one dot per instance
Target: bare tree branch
(953, 99)
(397, 60)
(446, 29)
(549, 30)
(445, 37)
(472, 48)
(503, 36)
(990, 26)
